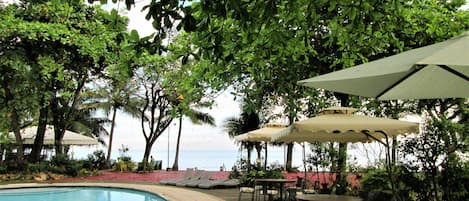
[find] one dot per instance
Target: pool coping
(168, 192)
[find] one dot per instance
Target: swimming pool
(76, 194)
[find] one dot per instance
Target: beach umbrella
(261, 135)
(440, 70)
(339, 124)
(70, 138)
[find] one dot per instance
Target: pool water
(76, 194)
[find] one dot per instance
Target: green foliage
(375, 180)
(3, 169)
(62, 165)
(43, 166)
(53, 48)
(124, 164)
(435, 170)
(263, 48)
(455, 180)
(247, 173)
(95, 161)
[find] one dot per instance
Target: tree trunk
(111, 134)
(289, 157)
(41, 130)
(341, 169)
(176, 158)
(342, 157)
(14, 122)
(19, 141)
(259, 155)
(146, 155)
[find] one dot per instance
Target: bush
(95, 161)
(42, 166)
(124, 164)
(3, 169)
(373, 182)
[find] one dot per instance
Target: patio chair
(204, 178)
(197, 175)
(173, 181)
(244, 190)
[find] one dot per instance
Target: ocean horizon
(214, 159)
(211, 160)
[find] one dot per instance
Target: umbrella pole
(303, 186)
(387, 158)
(265, 161)
(389, 165)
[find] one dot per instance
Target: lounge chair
(173, 181)
(220, 183)
(211, 183)
(197, 175)
(204, 178)
(231, 183)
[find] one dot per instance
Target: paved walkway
(157, 176)
(151, 180)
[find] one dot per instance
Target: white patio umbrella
(261, 135)
(339, 124)
(70, 138)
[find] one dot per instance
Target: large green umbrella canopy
(440, 70)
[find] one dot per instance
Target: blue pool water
(76, 194)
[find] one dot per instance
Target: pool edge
(167, 192)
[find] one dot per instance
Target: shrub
(124, 164)
(42, 166)
(375, 180)
(3, 169)
(95, 161)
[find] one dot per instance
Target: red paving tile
(153, 177)
(156, 176)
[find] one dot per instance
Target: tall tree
(196, 117)
(190, 94)
(157, 100)
(65, 44)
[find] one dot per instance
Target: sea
(213, 160)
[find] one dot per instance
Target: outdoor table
(270, 182)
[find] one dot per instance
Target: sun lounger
(220, 183)
(204, 178)
(230, 183)
(211, 183)
(173, 181)
(197, 175)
